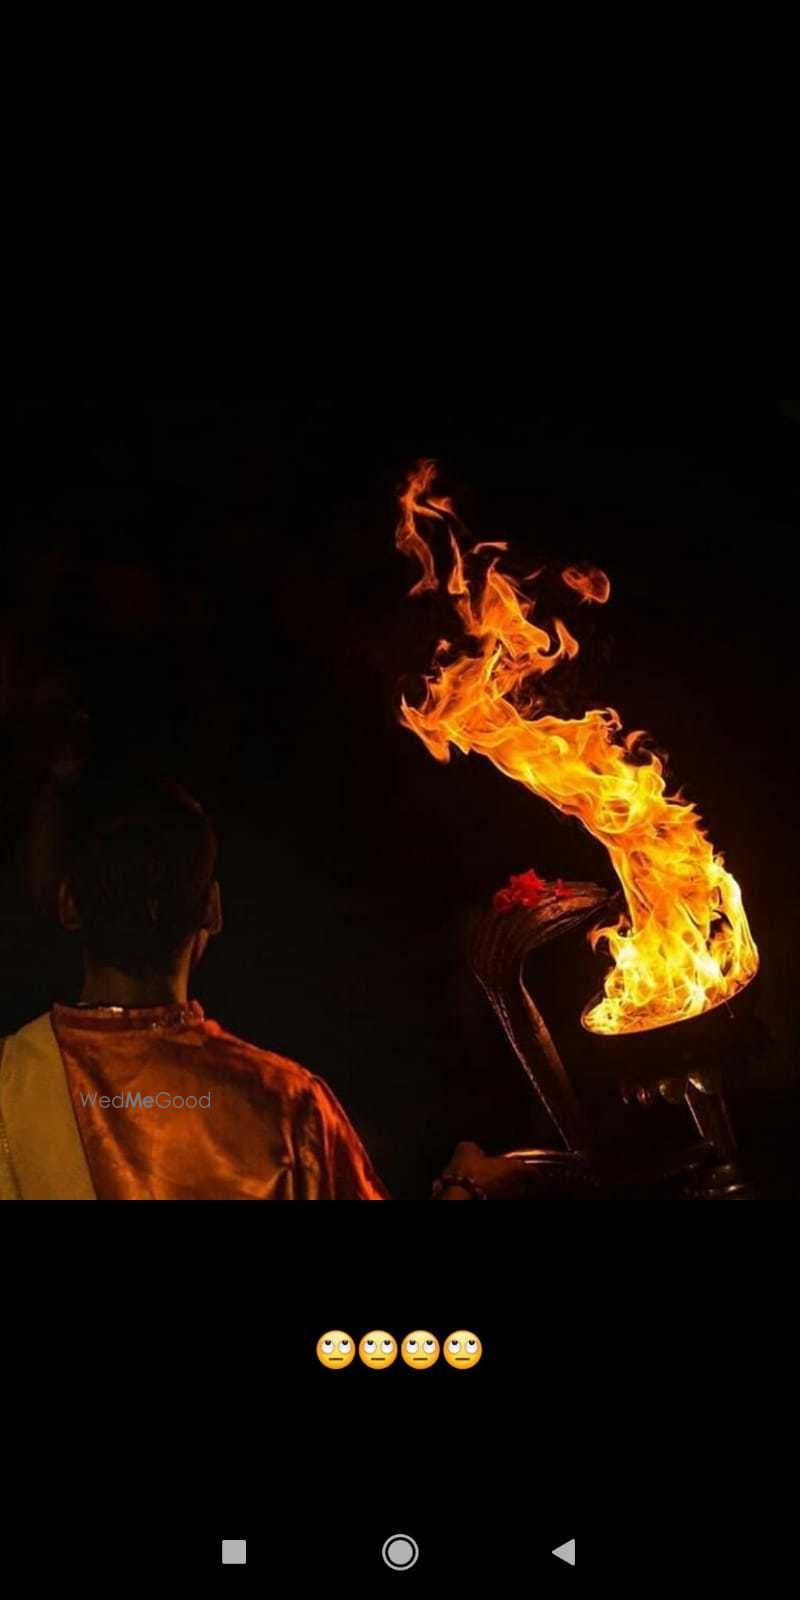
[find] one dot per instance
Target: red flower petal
(503, 900)
(528, 882)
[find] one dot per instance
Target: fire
(684, 945)
(590, 582)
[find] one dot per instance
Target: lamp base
(696, 1174)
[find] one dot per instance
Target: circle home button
(400, 1552)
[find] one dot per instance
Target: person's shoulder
(276, 1072)
(329, 1151)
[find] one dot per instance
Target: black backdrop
(216, 589)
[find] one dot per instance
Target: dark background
(214, 588)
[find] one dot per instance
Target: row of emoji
(420, 1349)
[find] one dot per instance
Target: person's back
(171, 1107)
(160, 1103)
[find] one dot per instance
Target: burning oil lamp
(523, 917)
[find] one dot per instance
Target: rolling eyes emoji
(335, 1349)
(463, 1350)
(420, 1349)
(378, 1349)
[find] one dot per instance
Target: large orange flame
(684, 945)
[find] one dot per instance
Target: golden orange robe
(263, 1129)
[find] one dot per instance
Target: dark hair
(140, 869)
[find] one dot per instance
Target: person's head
(140, 883)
